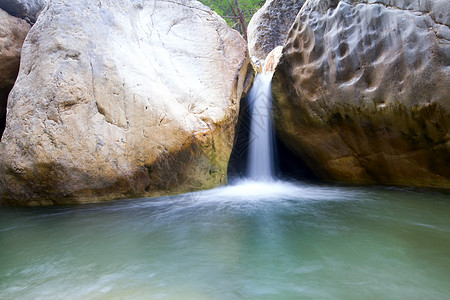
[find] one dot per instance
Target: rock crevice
(12, 34)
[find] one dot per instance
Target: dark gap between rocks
(287, 164)
(4, 92)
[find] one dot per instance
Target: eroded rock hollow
(362, 91)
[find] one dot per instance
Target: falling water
(260, 165)
(252, 240)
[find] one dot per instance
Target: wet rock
(362, 91)
(122, 99)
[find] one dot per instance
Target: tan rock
(362, 91)
(269, 26)
(272, 59)
(122, 99)
(12, 34)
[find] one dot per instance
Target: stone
(362, 91)
(272, 59)
(269, 26)
(12, 34)
(122, 98)
(24, 9)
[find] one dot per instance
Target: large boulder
(362, 91)
(12, 34)
(122, 98)
(269, 26)
(25, 9)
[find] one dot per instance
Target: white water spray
(260, 163)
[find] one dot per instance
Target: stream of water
(249, 241)
(260, 160)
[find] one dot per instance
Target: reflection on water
(272, 240)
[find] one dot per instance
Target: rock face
(122, 98)
(25, 9)
(362, 91)
(12, 34)
(272, 59)
(269, 26)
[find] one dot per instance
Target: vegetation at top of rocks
(237, 13)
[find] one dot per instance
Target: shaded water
(251, 241)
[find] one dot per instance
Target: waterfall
(260, 161)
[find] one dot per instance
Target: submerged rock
(362, 91)
(12, 34)
(122, 99)
(270, 24)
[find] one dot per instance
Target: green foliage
(227, 9)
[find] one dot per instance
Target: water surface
(269, 240)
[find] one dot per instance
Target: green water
(253, 241)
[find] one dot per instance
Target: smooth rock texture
(272, 59)
(269, 26)
(25, 9)
(12, 34)
(122, 98)
(362, 91)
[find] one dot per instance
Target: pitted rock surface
(362, 91)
